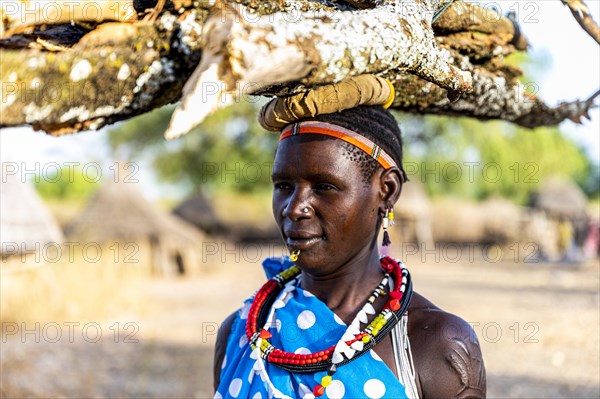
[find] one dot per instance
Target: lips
(302, 240)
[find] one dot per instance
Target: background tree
(476, 160)
(70, 184)
(230, 150)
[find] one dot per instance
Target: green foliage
(230, 150)
(66, 184)
(474, 159)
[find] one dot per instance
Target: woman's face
(322, 203)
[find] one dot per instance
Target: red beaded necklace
(346, 350)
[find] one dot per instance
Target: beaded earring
(388, 220)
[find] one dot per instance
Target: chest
(385, 350)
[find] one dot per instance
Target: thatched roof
(119, 212)
(560, 197)
(199, 212)
(495, 220)
(24, 219)
(503, 220)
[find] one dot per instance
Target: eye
(282, 186)
(324, 187)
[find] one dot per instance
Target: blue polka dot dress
(300, 323)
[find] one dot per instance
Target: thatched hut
(494, 221)
(559, 221)
(503, 221)
(198, 211)
(413, 215)
(26, 225)
(118, 213)
(560, 198)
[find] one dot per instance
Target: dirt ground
(538, 326)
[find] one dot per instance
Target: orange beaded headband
(349, 136)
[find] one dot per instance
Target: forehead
(313, 154)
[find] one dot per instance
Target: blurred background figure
(560, 208)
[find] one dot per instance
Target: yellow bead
(326, 381)
(375, 331)
(294, 255)
(366, 339)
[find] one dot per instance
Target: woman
(337, 325)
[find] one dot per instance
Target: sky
(571, 69)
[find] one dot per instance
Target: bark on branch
(254, 53)
(89, 73)
(582, 15)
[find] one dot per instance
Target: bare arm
(221, 348)
(456, 369)
(447, 356)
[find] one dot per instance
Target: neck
(346, 289)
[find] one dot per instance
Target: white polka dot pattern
(235, 387)
(244, 312)
(375, 356)
(336, 390)
(374, 389)
(306, 319)
(302, 351)
(338, 320)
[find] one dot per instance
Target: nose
(298, 205)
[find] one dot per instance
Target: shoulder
(221, 347)
(446, 352)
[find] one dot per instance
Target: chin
(317, 263)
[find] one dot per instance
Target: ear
(390, 187)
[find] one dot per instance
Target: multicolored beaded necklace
(353, 344)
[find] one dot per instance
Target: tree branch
(254, 53)
(66, 78)
(582, 14)
(491, 99)
(115, 72)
